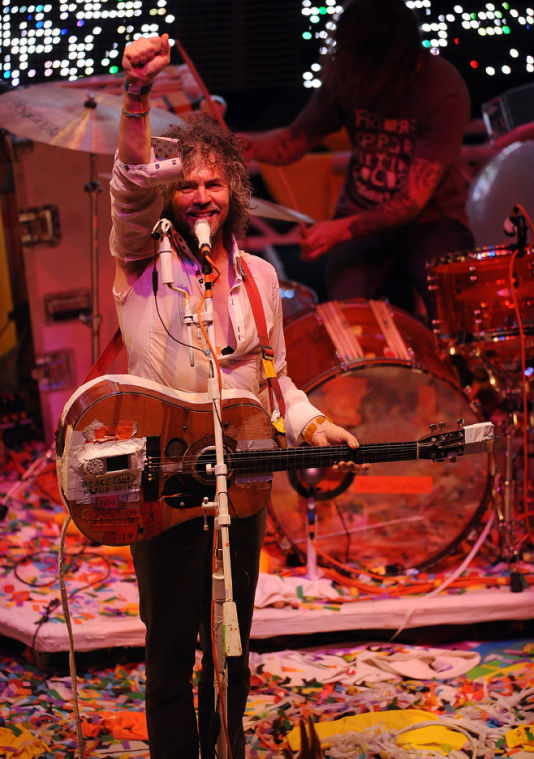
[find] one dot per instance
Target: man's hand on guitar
(321, 431)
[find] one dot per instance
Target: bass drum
(376, 371)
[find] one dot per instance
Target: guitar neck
(307, 457)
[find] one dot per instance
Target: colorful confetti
(483, 689)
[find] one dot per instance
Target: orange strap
(110, 352)
(267, 353)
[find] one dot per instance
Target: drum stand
(512, 535)
(94, 319)
(503, 499)
(311, 477)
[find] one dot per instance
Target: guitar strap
(110, 352)
(267, 353)
(115, 344)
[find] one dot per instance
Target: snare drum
(475, 298)
(376, 371)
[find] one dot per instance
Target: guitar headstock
(441, 445)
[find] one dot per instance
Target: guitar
(135, 457)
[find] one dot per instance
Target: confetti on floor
(493, 700)
(483, 688)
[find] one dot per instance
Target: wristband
(135, 114)
(134, 88)
(311, 427)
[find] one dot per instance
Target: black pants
(392, 263)
(174, 573)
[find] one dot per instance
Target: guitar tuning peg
(442, 426)
(460, 422)
(452, 459)
(433, 427)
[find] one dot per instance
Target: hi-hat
(71, 118)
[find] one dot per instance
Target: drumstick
(191, 66)
(291, 195)
(216, 115)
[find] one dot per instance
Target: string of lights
(464, 27)
(69, 40)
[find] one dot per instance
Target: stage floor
(103, 598)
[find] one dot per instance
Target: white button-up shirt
(160, 344)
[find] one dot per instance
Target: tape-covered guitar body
(131, 456)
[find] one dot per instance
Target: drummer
(403, 202)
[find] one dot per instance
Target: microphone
(516, 224)
(161, 232)
(512, 222)
(203, 235)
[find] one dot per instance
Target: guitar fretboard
(306, 457)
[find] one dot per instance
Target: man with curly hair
(174, 568)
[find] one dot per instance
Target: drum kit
(382, 373)
(485, 303)
(375, 368)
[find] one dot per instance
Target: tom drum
(478, 296)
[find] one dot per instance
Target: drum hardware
(71, 118)
(269, 210)
(485, 305)
(311, 477)
(512, 533)
(343, 338)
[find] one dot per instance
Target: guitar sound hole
(175, 448)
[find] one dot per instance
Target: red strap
(106, 357)
(267, 352)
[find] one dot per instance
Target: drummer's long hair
(203, 139)
(375, 55)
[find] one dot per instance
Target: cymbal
(70, 118)
(269, 210)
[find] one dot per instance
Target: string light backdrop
(240, 45)
(490, 43)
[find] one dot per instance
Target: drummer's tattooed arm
(279, 146)
(421, 182)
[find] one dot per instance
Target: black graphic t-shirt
(430, 125)
(383, 152)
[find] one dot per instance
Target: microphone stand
(227, 641)
(226, 637)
